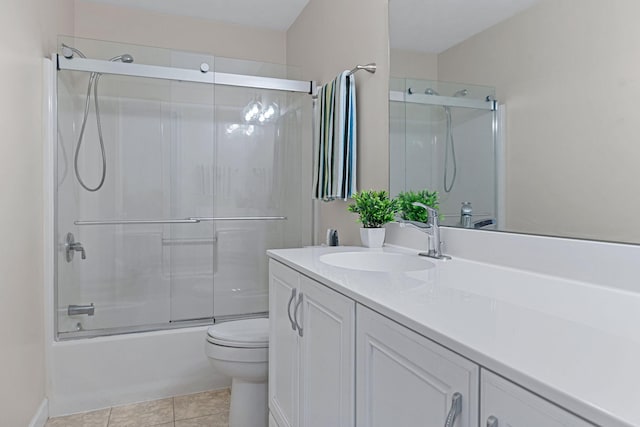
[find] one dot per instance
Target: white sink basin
(377, 261)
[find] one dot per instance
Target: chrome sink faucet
(432, 228)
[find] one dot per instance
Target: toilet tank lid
(247, 330)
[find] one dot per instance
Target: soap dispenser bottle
(466, 213)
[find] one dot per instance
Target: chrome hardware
(204, 67)
(190, 220)
(455, 410)
(67, 52)
(371, 68)
(181, 74)
(484, 223)
(75, 310)
(138, 221)
(416, 97)
(466, 212)
(432, 228)
(71, 247)
(332, 237)
(293, 295)
(295, 314)
(492, 421)
(239, 218)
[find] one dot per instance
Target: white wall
(27, 34)
(328, 37)
(137, 26)
(415, 65)
(568, 73)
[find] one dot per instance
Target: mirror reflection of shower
(449, 142)
(94, 79)
(444, 138)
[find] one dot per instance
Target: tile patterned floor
(208, 409)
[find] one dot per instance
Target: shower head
(461, 92)
(125, 57)
(430, 91)
(68, 52)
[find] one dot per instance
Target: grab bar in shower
(191, 220)
(239, 218)
(138, 221)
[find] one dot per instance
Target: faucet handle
(431, 212)
(71, 246)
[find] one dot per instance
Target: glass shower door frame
(165, 73)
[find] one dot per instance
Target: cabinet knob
(492, 421)
(295, 314)
(293, 295)
(454, 411)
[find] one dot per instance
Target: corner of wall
(42, 414)
(358, 34)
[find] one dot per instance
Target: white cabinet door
(283, 345)
(327, 357)
(311, 352)
(505, 404)
(404, 379)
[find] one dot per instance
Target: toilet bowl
(240, 349)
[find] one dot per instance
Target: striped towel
(335, 176)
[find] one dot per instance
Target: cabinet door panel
(327, 360)
(513, 406)
(283, 347)
(404, 379)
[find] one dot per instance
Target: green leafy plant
(374, 207)
(415, 213)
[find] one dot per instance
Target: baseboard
(41, 416)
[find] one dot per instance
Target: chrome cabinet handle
(295, 314)
(492, 421)
(456, 408)
(293, 295)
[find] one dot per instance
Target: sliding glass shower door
(443, 138)
(196, 190)
(146, 262)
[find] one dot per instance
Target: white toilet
(240, 349)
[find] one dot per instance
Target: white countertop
(575, 344)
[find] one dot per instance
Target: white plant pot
(372, 237)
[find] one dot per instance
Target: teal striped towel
(336, 133)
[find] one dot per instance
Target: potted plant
(409, 212)
(375, 209)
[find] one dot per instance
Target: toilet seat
(247, 333)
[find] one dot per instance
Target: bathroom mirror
(566, 78)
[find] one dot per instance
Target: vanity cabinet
(311, 352)
(335, 362)
(506, 404)
(404, 379)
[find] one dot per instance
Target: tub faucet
(432, 228)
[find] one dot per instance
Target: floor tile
(143, 414)
(201, 404)
(88, 419)
(218, 420)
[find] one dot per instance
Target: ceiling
(273, 14)
(435, 25)
(418, 25)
